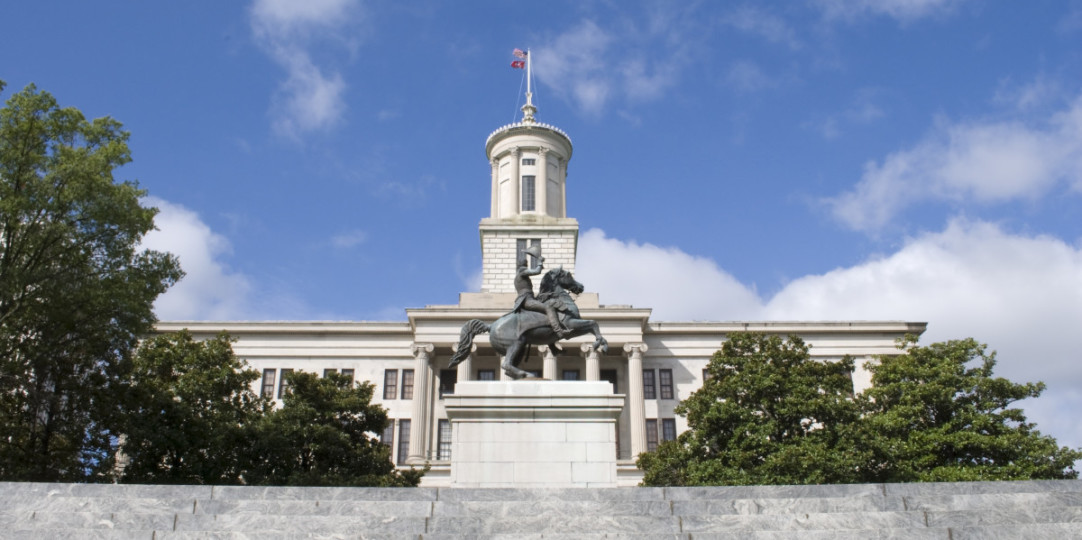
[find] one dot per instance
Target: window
(569, 375)
(407, 384)
(651, 435)
(390, 383)
(388, 435)
(520, 248)
(403, 441)
(283, 385)
(706, 375)
(268, 383)
(649, 390)
(528, 195)
(327, 372)
(486, 374)
(665, 378)
(529, 161)
(348, 373)
(610, 375)
(448, 378)
(668, 429)
(443, 439)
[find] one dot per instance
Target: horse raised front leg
(600, 343)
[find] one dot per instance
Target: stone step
(317, 526)
(789, 522)
(1032, 531)
(566, 524)
(1004, 516)
(101, 505)
(553, 508)
(991, 500)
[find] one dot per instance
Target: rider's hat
(533, 251)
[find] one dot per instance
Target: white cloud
(573, 64)
(747, 77)
(349, 239)
(676, 285)
(591, 65)
(1020, 294)
(986, 163)
(209, 289)
(768, 26)
(311, 97)
(903, 10)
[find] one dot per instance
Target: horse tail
(465, 340)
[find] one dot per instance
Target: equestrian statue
(542, 320)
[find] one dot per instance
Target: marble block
(533, 433)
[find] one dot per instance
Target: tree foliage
(75, 289)
(324, 436)
(769, 414)
(937, 413)
(192, 413)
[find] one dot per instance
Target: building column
(495, 188)
(548, 363)
(561, 175)
(465, 367)
(516, 182)
(501, 375)
(541, 183)
(635, 400)
(419, 419)
(593, 362)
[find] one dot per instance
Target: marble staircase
(947, 511)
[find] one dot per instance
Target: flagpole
(529, 73)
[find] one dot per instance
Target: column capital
(422, 349)
(516, 151)
(541, 150)
(635, 349)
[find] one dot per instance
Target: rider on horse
(524, 288)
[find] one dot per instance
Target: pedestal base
(533, 433)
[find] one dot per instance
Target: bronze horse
(512, 334)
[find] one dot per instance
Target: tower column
(561, 175)
(495, 187)
(593, 362)
(419, 418)
(516, 197)
(635, 398)
(541, 183)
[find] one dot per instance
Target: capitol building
(652, 365)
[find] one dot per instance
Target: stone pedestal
(533, 433)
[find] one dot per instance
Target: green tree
(936, 413)
(767, 414)
(325, 436)
(192, 412)
(75, 289)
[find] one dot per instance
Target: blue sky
(838, 159)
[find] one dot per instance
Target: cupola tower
(529, 199)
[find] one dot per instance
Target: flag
(519, 53)
(518, 64)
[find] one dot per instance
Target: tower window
(529, 161)
(520, 248)
(529, 200)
